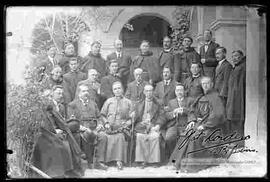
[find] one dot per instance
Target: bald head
(148, 91)
(138, 74)
(92, 74)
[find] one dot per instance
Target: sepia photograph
(136, 91)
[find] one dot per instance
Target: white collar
(196, 76)
(167, 81)
(220, 62)
(50, 58)
(167, 50)
(180, 100)
(118, 52)
(83, 101)
(55, 102)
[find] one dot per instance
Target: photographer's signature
(215, 143)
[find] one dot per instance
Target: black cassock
(55, 156)
(210, 109)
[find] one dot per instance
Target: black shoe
(119, 165)
(101, 166)
(83, 156)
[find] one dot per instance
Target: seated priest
(92, 142)
(116, 113)
(205, 129)
(56, 152)
(149, 119)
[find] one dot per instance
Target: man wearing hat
(86, 110)
(189, 55)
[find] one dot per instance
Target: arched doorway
(144, 27)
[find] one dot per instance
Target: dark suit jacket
(124, 63)
(93, 95)
(157, 116)
(210, 58)
(222, 77)
(163, 96)
(134, 92)
(82, 112)
(181, 120)
(106, 86)
(71, 79)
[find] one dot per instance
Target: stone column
(200, 15)
(230, 28)
(255, 80)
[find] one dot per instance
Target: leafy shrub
(23, 118)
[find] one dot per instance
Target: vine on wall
(181, 27)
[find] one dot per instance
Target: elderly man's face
(194, 69)
(84, 92)
(95, 49)
(56, 73)
(69, 50)
(187, 42)
(117, 89)
(236, 57)
(220, 54)
(207, 36)
(166, 74)
(113, 68)
(52, 52)
(138, 76)
(206, 84)
(148, 92)
(118, 45)
(144, 47)
(179, 91)
(92, 76)
(166, 43)
(57, 94)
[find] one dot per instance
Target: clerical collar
(196, 76)
(167, 50)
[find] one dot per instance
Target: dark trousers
(94, 143)
(170, 141)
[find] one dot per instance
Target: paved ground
(240, 164)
